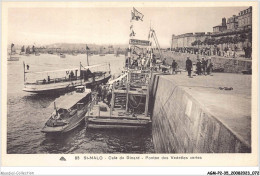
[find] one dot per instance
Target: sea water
(27, 114)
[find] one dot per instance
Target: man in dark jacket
(174, 67)
(204, 66)
(188, 66)
(198, 65)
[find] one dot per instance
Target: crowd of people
(216, 51)
(140, 62)
(203, 67)
(104, 93)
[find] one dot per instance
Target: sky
(42, 26)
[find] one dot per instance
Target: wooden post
(147, 100)
(127, 90)
(87, 58)
(112, 100)
(98, 111)
(80, 73)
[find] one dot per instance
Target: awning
(69, 69)
(71, 100)
(117, 79)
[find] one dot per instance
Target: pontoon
(128, 107)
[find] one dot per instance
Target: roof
(71, 99)
(69, 69)
(218, 26)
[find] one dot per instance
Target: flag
(137, 15)
(87, 48)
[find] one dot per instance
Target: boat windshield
(59, 114)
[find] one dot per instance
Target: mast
(23, 72)
(131, 37)
(80, 73)
(127, 90)
(129, 55)
(87, 48)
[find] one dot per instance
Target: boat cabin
(65, 80)
(69, 107)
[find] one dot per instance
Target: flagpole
(23, 72)
(131, 36)
(129, 55)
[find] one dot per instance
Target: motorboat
(70, 112)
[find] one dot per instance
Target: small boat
(117, 53)
(22, 53)
(70, 112)
(101, 52)
(12, 58)
(128, 107)
(62, 55)
(12, 52)
(74, 54)
(37, 54)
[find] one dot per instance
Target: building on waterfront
(222, 27)
(245, 18)
(233, 34)
(186, 40)
(232, 23)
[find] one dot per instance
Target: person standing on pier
(189, 66)
(210, 66)
(204, 66)
(143, 62)
(174, 67)
(164, 65)
(198, 67)
(103, 93)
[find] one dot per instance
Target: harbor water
(27, 114)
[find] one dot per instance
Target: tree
(235, 39)
(249, 36)
(242, 37)
(194, 43)
(199, 42)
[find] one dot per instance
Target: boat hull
(61, 88)
(66, 129)
(13, 59)
(116, 123)
(75, 121)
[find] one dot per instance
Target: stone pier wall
(180, 124)
(230, 65)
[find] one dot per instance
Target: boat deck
(101, 117)
(102, 110)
